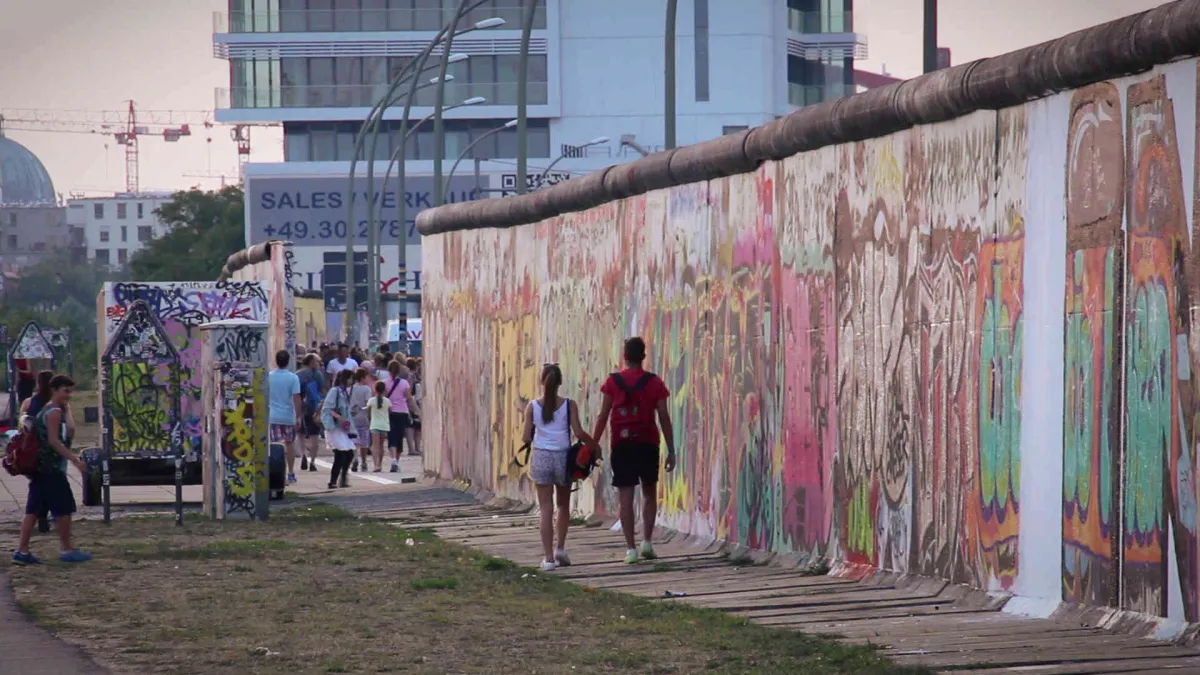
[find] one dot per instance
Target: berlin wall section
(963, 350)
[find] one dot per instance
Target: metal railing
(358, 20)
(820, 22)
(801, 95)
(367, 95)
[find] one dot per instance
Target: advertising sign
(312, 211)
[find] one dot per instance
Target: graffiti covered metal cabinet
(233, 362)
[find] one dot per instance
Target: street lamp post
(466, 151)
(530, 9)
(402, 214)
(669, 90)
(371, 126)
(439, 128)
(595, 141)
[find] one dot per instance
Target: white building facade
(596, 69)
(117, 226)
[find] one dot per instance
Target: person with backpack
(313, 387)
(549, 421)
(30, 408)
(632, 397)
(286, 408)
(49, 488)
(339, 428)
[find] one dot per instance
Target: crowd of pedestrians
(360, 405)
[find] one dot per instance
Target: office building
(595, 71)
(115, 227)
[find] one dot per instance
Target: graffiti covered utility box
(233, 366)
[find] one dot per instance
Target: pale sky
(98, 54)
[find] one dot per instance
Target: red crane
(125, 126)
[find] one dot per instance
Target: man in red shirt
(632, 397)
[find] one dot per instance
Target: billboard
(311, 211)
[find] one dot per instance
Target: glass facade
(820, 16)
(334, 141)
(360, 81)
(314, 16)
(815, 80)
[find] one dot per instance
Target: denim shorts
(549, 467)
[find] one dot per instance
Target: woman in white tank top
(549, 421)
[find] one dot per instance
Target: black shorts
(634, 463)
(309, 427)
(400, 422)
(50, 493)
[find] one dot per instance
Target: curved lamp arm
(595, 141)
(466, 151)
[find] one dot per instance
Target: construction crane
(125, 126)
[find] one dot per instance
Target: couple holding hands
(632, 399)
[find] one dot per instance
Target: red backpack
(21, 455)
(632, 417)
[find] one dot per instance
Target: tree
(206, 228)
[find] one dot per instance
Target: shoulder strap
(619, 381)
(644, 380)
(395, 383)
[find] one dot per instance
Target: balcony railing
(367, 95)
(801, 95)
(820, 22)
(356, 20)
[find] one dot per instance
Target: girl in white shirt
(549, 421)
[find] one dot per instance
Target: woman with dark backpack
(49, 488)
(549, 421)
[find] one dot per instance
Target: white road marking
(374, 479)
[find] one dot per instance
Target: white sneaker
(561, 558)
(548, 565)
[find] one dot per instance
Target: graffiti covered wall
(963, 350)
(181, 308)
(275, 271)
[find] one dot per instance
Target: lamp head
(475, 100)
(489, 23)
(511, 123)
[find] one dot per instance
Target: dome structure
(23, 178)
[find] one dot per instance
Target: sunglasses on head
(555, 363)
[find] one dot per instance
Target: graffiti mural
(848, 336)
(31, 343)
(242, 415)
(181, 308)
(139, 378)
(235, 391)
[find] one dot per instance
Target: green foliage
(59, 292)
(206, 228)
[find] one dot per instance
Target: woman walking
(336, 418)
(549, 421)
(360, 393)
(380, 411)
(399, 392)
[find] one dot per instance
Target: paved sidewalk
(915, 621)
